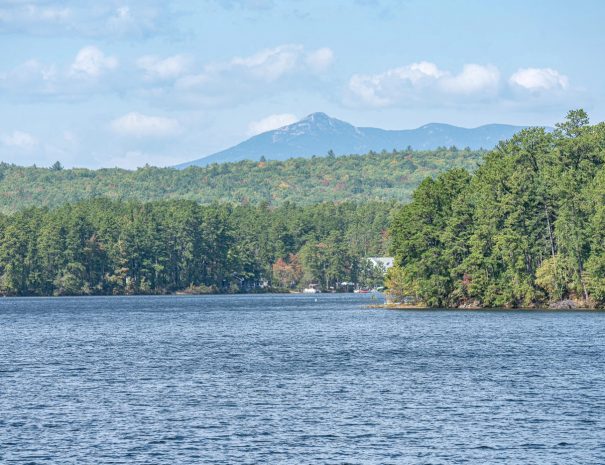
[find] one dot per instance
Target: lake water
(296, 379)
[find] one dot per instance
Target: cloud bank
(539, 79)
(424, 82)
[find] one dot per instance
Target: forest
(110, 247)
(362, 178)
(526, 229)
(522, 225)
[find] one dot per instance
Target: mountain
(318, 133)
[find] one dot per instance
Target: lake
(296, 379)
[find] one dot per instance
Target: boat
(312, 289)
(362, 291)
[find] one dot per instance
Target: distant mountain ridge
(318, 133)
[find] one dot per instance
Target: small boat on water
(311, 289)
(362, 291)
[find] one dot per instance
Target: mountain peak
(318, 133)
(318, 124)
(317, 116)
(320, 120)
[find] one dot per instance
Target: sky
(132, 82)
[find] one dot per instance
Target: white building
(382, 262)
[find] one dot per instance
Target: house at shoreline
(383, 263)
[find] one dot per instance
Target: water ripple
(287, 379)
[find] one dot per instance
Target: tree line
(527, 228)
(374, 176)
(108, 247)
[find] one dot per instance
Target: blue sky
(129, 82)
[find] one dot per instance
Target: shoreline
(410, 307)
(174, 294)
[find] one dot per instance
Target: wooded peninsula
(527, 229)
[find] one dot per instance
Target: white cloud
(539, 79)
(166, 68)
(267, 65)
(266, 72)
(270, 64)
(92, 62)
(20, 140)
(387, 88)
(473, 79)
(270, 122)
(320, 60)
(139, 125)
(423, 81)
(68, 82)
(134, 18)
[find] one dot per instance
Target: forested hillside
(375, 176)
(111, 247)
(526, 229)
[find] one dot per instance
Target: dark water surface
(288, 379)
